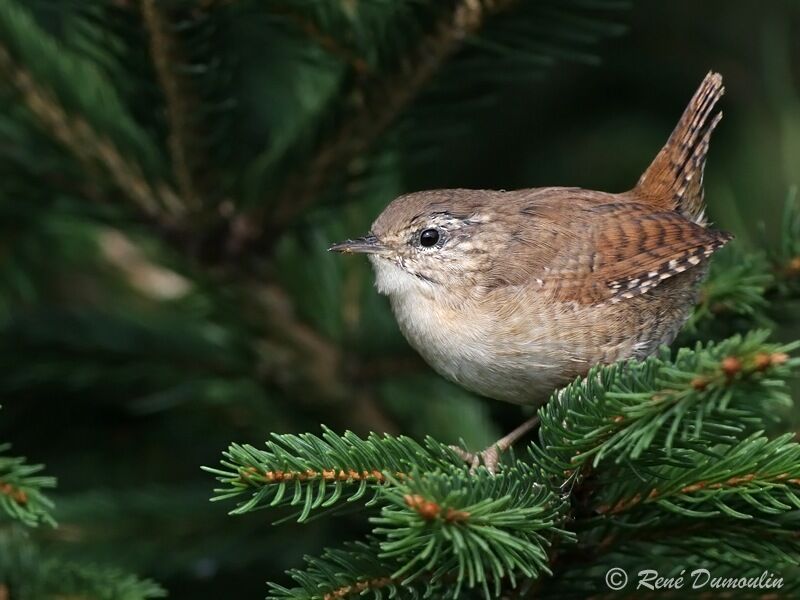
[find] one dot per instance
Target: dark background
(124, 390)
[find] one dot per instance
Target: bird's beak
(368, 244)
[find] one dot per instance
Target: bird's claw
(489, 458)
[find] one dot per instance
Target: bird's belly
(521, 363)
(523, 355)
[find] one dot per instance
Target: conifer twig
(165, 55)
(21, 491)
(622, 411)
(88, 146)
(348, 572)
(442, 525)
(754, 467)
(323, 469)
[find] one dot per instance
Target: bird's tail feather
(674, 180)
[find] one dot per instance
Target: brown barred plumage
(674, 180)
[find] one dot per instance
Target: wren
(512, 294)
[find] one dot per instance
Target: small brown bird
(513, 294)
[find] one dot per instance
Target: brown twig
(252, 475)
(165, 52)
(88, 146)
(358, 588)
(375, 104)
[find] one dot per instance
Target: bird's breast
(498, 347)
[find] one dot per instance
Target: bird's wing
(608, 252)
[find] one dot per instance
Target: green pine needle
(32, 575)
(313, 472)
(473, 530)
(95, 98)
(352, 570)
(756, 476)
(21, 486)
(631, 409)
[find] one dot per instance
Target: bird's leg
(491, 456)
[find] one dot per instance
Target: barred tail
(674, 180)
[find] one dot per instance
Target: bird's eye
(429, 237)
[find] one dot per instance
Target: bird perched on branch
(512, 294)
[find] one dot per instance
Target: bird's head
(429, 239)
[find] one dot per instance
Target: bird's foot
(489, 458)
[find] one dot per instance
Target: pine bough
(662, 463)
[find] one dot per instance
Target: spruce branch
(672, 544)
(747, 289)
(736, 287)
(679, 536)
(21, 485)
(476, 530)
(623, 411)
(166, 56)
(660, 442)
(383, 100)
(439, 522)
(763, 570)
(21, 495)
(314, 472)
(756, 474)
(758, 541)
(78, 137)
